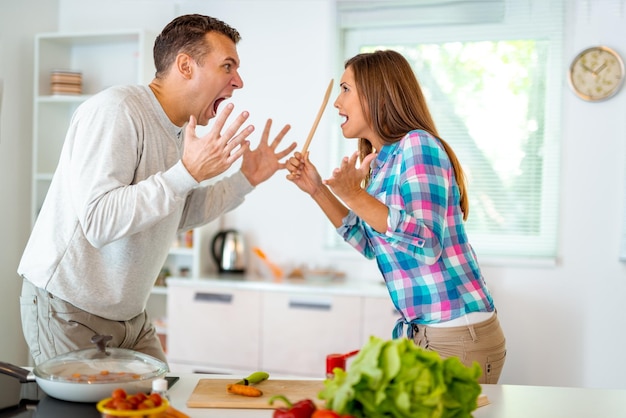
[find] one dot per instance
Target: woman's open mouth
(345, 119)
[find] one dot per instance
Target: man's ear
(184, 65)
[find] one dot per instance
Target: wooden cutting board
(211, 393)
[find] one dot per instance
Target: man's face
(216, 79)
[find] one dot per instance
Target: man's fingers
(231, 132)
(237, 153)
(221, 118)
(192, 122)
(280, 135)
(266, 130)
(239, 139)
(280, 155)
(190, 128)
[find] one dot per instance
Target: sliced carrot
(172, 412)
(244, 390)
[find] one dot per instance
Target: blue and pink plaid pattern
(428, 265)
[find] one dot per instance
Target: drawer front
(300, 330)
(214, 327)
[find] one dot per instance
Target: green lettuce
(396, 378)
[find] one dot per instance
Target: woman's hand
(346, 180)
(261, 163)
(303, 173)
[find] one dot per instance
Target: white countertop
(505, 401)
(352, 287)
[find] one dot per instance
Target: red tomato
(141, 396)
(133, 400)
(119, 394)
(122, 405)
(156, 398)
(325, 413)
(121, 401)
(144, 405)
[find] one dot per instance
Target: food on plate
(118, 393)
(120, 401)
(103, 376)
(138, 405)
(300, 409)
(396, 378)
(243, 390)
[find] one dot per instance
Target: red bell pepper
(301, 409)
(328, 413)
(325, 413)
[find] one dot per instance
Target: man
(127, 182)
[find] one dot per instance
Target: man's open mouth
(216, 103)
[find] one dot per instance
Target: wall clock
(596, 74)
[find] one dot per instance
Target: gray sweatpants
(53, 326)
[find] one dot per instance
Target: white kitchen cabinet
(213, 329)
(282, 328)
(379, 317)
(301, 328)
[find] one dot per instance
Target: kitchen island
(505, 401)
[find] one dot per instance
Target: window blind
(368, 14)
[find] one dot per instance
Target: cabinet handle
(312, 305)
(213, 297)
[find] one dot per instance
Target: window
(492, 73)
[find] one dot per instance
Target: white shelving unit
(196, 259)
(104, 59)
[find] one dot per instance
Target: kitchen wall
(563, 322)
(18, 24)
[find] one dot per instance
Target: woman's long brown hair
(392, 99)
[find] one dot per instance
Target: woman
(405, 205)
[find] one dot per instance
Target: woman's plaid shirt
(429, 267)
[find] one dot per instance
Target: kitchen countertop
(506, 401)
(342, 286)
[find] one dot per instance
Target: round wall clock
(597, 73)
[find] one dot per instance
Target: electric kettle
(229, 251)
